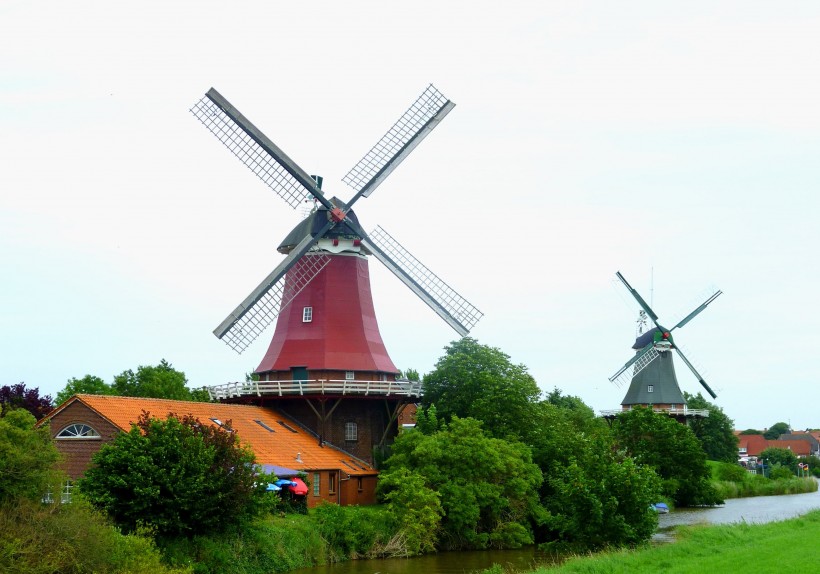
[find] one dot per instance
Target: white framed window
(316, 480)
(307, 314)
(78, 430)
(351, 431)
(650, 388)
(350, 375)
(65, 496)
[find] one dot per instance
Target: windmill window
(650, 389)
(78, 430)
(351, 431)
(350, 375)
(307, 314)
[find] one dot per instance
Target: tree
(27, 457)
(780, 456)
(750, 432)
(159, 382)
(175, 475)
(88, 385)
(19, 397)
(595, 494)
(415, 508)
(477, 381)
(487, 487)
(777, 429)
(672, 449)
(715, 432)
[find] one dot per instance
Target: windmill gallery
(326, 392)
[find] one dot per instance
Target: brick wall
(77, 452)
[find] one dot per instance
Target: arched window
(78, 430)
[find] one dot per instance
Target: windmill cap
(313, 223)
(646, 338)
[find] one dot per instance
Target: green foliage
(27, 457)
(780, 456)
(750, 431)
(477, 381)
(777, 429)
(88, 385)
(71, 539)
(160, 382)
(351, 531)
(487, 486)
(595, 495)
(415, 508)
(606, 505)
(427, 419)
(732, 472)
(758, 485)
(715, 432)
(175, 476)
(410, 375)
(671, 448)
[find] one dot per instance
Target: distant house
(806, 437)
(754, 444)
(82, 424)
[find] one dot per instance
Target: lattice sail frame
(262, 313)
(424, 109)
(626, 375)
(250, 153)
(456, 305)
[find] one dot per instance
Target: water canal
(755, 510)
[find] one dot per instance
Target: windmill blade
(256, 151)
(640, 300)
(694, 313)
(695, 372)
(412, 127)
(641, 360)
(265, 302)
(459, 313)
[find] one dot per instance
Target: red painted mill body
(331, 325)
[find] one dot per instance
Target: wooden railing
(315, 387)
(685, 411)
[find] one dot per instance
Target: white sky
(674, 141)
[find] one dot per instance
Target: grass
(774, 547)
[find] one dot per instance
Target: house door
(298, 373)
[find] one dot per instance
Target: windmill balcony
(683, 411)
(315, 387)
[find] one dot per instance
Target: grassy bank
(733, 481)
(774, 547)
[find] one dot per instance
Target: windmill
(320, 293)
(651, 372)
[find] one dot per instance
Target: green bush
(71, 539)
(730, 472)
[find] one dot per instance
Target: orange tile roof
(291, 447)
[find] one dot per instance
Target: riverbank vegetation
(734, 481)
(774, 547)
(492, 463)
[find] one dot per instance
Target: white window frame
(350, 375)
(351, 431)
(316, 484)
(76, 431)
(307, 314)
(650, 388)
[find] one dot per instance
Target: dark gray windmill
(334, 219)
(651, 372)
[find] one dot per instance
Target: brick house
(82, 424)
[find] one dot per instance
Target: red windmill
(326, 348)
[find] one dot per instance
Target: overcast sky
(675, 142)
